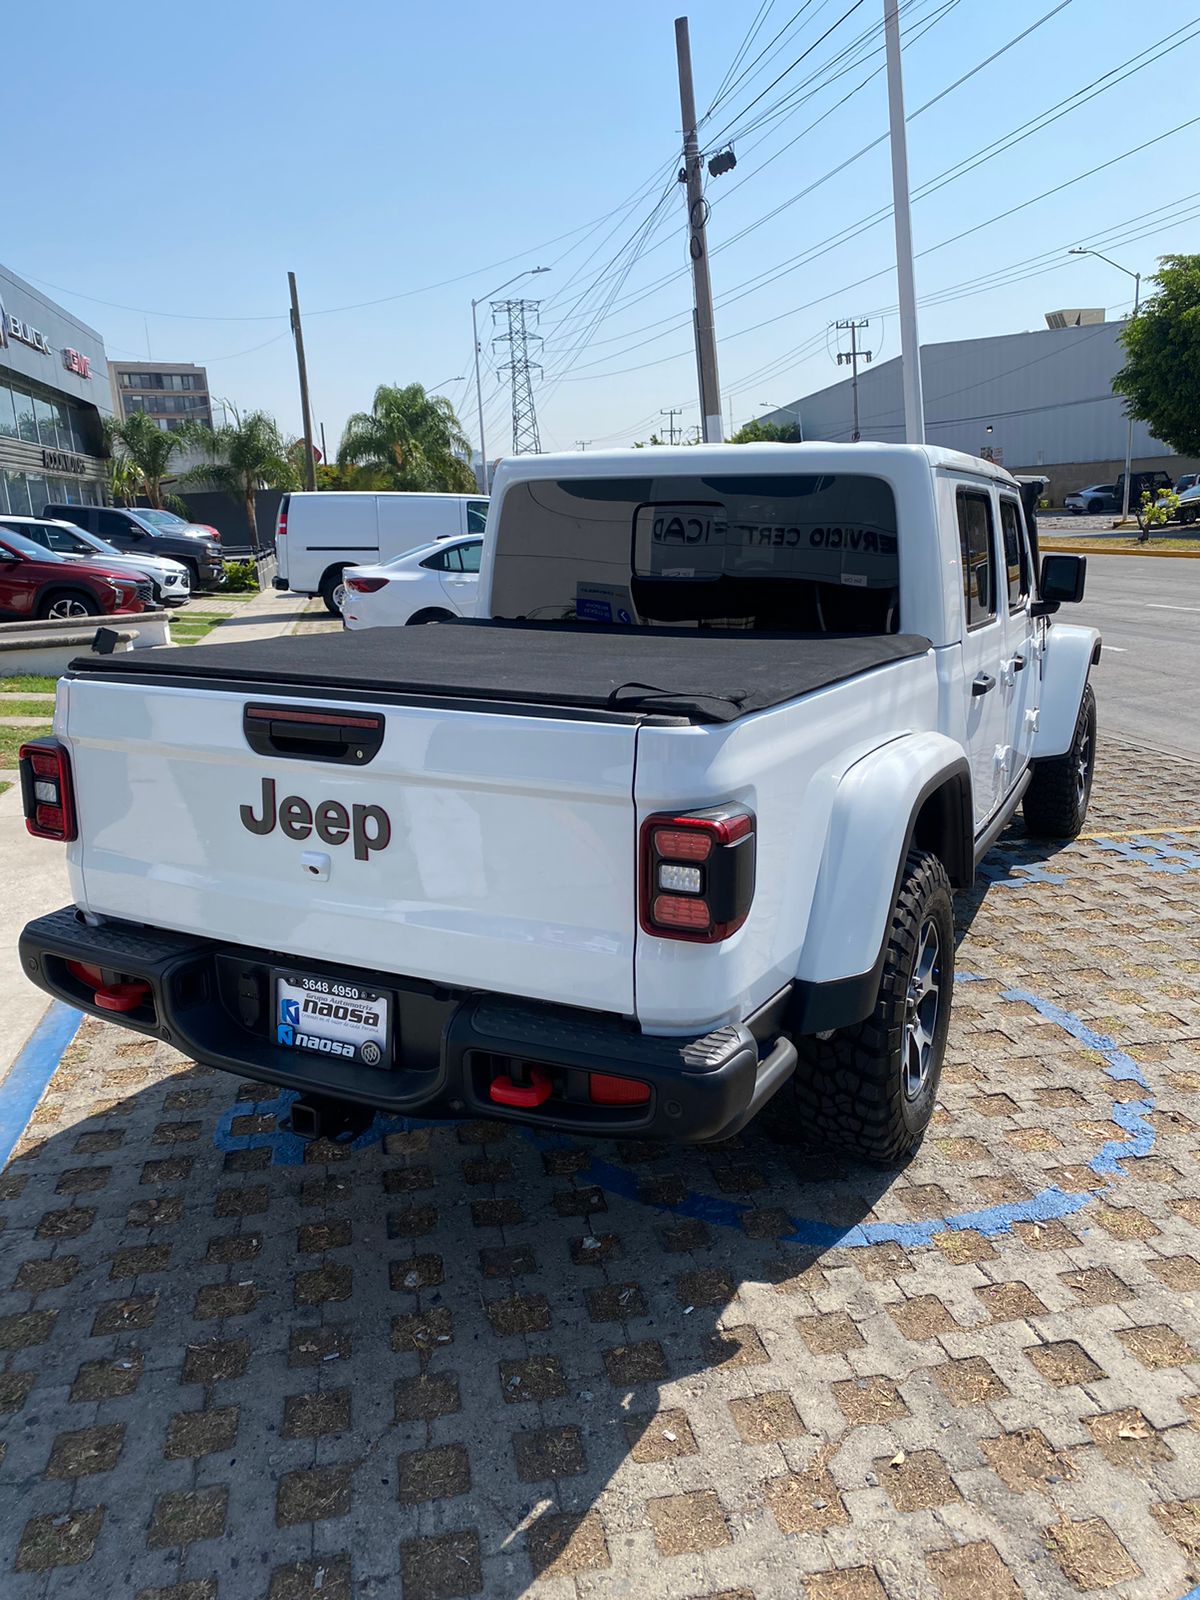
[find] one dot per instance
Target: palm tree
(245, 455)
(149, 448)
(122, 479)
(413, 438)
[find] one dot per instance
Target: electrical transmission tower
(522, 324)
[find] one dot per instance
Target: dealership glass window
(47, 422)
(26, 420)
(39, 496)
(18, 495)
(8, 412)
(62, 421)
(3, 495)
(80, 441)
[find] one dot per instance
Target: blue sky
(178, 160)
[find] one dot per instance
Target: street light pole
(1137, 300)
(530, 272)
(910, 343)
(765, 405)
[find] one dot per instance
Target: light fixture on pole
(1081, 250)
(530, 272)
(765, 405)
(444, 383)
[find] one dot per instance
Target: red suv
(36, 582)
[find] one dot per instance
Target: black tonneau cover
(702, 675)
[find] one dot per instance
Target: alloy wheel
(67, 607)
(921, 1010)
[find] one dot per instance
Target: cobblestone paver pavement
(461, 1360)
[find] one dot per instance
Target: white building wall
(1046, 395)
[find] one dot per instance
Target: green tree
(412, 438)
(149, 448)
(244, 456)
(759, 432)
(1161, 376)
(122, 478)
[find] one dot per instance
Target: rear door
(458, 570)
(1019, 668)
(479, 850)
(983, 647)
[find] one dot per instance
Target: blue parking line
(32, 1071)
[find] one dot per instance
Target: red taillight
(46, 790)
(607, 1090)
(365, 585)
(281, 521)
(697, 873)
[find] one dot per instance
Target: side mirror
(8, 555)
(1062, 582)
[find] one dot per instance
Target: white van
(318, 535)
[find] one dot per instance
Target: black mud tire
(1056, 801)
(330, 584)
(852, 1090)
(430, 614)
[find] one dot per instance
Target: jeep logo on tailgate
(368, 826)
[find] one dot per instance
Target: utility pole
(582, 444)
(706, 337)
(910, 342)
(672, 412)
(324, 452)
(521, 315)
(850, 357)
(310, 465)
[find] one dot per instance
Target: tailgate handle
(312, 733)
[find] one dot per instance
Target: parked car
(317, 536)
(1187, 480)
(171, 580)
(1187, 509)
(130, 532)
(171, 522)
(1140, 483)
(432, 583)
(609, 878)
(1097, 497)
(38, 583)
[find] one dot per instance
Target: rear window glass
(795, 554)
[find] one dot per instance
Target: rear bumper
(279, 583)
(212, 1002)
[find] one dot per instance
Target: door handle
(1018, 663)
(982, 683)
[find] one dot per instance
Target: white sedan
(432, 583)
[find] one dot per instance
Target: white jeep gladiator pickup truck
(671, 828)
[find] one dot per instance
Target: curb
(26, 1080)
(1080, 547)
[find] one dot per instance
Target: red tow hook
(110, 996)
(507, 1093)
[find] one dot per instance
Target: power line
(929, 250)
(760, 17)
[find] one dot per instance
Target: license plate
(340, 1020)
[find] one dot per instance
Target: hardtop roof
(887, 460)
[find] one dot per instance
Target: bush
(241, 577)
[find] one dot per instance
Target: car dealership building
(54, 391)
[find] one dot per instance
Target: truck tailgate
(509, 862)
